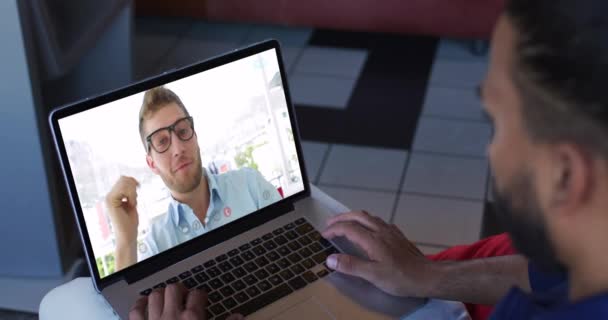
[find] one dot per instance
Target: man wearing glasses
(200, 201)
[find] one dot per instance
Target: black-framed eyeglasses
(160, 139)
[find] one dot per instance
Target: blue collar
(177, 208)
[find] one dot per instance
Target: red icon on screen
(227, 211)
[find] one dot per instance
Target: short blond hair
(154, 100)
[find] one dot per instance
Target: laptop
(258, 251)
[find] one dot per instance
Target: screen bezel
(171, 256)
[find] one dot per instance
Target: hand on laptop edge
(173, 303)
(394, 264)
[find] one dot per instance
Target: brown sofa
(451, 18)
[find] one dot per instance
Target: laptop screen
(171, 163)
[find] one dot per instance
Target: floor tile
(446, 176)
(314, 153)
(153, 38)
(290, 56)
(365, 167)
(205, 40)
(459, 103)
(315, 90)
(438, 220)
(287, 36)
(458, 49)
(375, 202)
(457, 73)
(332, 61)
(467, 138)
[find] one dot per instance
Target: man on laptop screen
(200, 200)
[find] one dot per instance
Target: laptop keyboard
(258, 273)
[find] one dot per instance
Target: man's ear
(151, 164)
(572, 179)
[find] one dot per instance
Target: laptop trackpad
(305, 310)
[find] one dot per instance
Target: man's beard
(190, 182)
(518, 210)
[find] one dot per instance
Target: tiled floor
(391, 123)
(389, 128)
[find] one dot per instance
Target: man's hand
(173, 303)
(394, 264)
(121, 202)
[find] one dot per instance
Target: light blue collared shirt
(233, 195)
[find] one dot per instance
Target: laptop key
(239, 272)
(233, 252)
(309, 276)
(185, 275)
(245, 247)
(250, 266)
(227, 277)
(209, 264)
(322, 273)
(320, 257)
(275, 280)
(291, 235)
(263, 300)
(294, 257)
(247, 255)
(284, 251)
(273, 268)
(315, 247)
(227, 291)
(215, 296)
(201, 277)
(236, 261)
(273, 256)
(304, 228)
(216, 283)
(305, 252)
(264, 285)
(222, 316)
(160, 286)
(300, 221)
(259, 250)
(190, 283)
(217, 309)
(197, 269)
(278, 231)
(213, 272)
(267, 236)
(261, 261)
(225, 266)
(261, 274)
(221, 258)
(172, 280)
(238, 285)
(297, 269)
(241, 297)
(280, 240)
(304, 240)
(253, 291)
(250, 280)
(315, 236)
(289, 226)
(297, 283)
(286, 274)
(294, 245)
(269, 245)
(146, 292)
(308, 264)
(204, 287)
(256, 242)
(283, 263)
